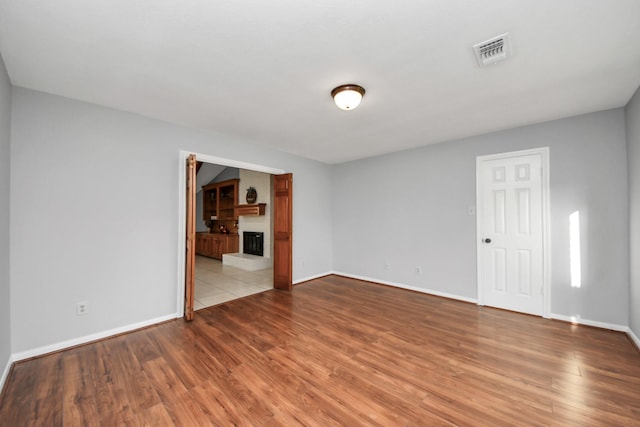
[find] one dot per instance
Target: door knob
(487, 240)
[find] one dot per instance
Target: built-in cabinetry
(213, 245)
(218, 213)
(218, 202)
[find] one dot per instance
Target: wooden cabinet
(218, 210)
(218, 205)
(219, 200)
(214, 245)
(203, 244)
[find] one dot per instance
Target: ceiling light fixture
(347, 97)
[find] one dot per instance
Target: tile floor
(217, 283)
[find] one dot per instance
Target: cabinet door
(206, 245)
(223, 245)
(199, 244)
(227, 202)
(216, 250)
(232, 245)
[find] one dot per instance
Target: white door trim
(546, 221)
(182, 212)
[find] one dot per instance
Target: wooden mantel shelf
(254, 209)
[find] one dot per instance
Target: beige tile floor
(217, 283)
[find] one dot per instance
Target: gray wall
(410, 209)
(633, 149)
(5, 167)
(82, 229)
(227, 173)
(99, 221)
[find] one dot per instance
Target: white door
(512, 192)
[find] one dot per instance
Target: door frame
(546, 221)
(182, 211)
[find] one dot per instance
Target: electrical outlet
(82, 308)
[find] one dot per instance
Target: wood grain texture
(337, 351)
(282, 231)
(190, 244)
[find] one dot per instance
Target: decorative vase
(252, 195)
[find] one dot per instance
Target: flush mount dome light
(347, 97)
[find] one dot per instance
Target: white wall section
(410, 209)
(262, 183)
(99, 220)
(633, 156)
(5, 174)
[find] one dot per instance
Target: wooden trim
(190, 260)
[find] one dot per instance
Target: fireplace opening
(253, 243)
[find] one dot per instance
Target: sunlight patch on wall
(574, 250)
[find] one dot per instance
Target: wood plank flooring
(337, 352)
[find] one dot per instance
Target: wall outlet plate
(82, 308)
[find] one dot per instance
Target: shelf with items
(226, 213)
(218, 202)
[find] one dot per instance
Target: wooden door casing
(282, 231)
(190, 249)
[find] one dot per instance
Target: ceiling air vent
(493, 50)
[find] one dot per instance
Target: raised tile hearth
(246, 261)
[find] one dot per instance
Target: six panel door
(511, 231)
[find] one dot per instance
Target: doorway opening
(222, 227)
(228, 265)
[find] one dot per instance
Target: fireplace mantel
(251, 210)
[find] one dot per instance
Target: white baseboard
(587, 322)
(316, 276)
(580, 321)
(411, 288)
(633, 337)
(89, 338)
(5, 373)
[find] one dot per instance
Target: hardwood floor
(337, 352)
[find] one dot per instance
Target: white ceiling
(263, 70)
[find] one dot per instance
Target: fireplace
(253, 243)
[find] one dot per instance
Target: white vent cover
(493, 50)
